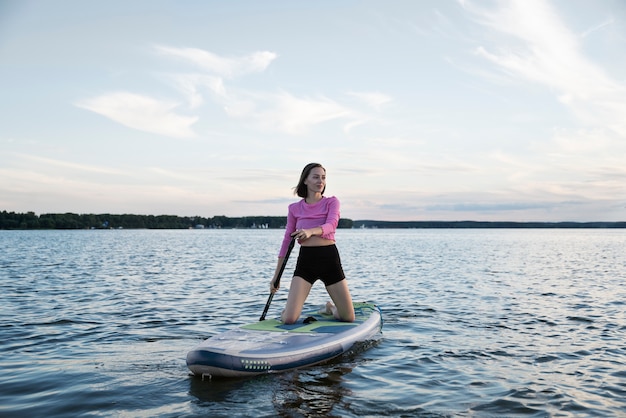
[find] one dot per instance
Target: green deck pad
(324, 323)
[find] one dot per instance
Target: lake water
(477, 323)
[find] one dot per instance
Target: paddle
(277, 281)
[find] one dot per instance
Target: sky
(419, 110)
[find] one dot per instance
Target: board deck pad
(271, 346)
(321, 323)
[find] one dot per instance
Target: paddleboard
(270, 346)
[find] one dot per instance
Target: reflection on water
(313, 392)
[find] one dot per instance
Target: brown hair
(301, 189)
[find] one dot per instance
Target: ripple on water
(476, 323)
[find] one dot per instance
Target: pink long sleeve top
(301, 215)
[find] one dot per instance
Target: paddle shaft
(277, 281)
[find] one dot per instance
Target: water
(477, 323)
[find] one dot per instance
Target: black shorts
(321, 263)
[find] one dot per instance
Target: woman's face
(316, 180)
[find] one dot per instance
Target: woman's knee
(348, 316)
(288, 318)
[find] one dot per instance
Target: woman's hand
(272, 288)
(302, 234)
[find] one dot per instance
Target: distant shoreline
(29, 220)
(482, 224)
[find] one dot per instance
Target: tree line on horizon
(29, 220)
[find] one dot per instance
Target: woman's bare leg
(298, 292)
(340, 294)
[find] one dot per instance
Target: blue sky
(420, 110)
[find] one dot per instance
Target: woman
(312, 221)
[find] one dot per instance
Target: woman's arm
(289, 231)
(303, 234)
(332, 218)
(326, 229)
(278, 266)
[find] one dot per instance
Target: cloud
(269, 111)
(142, 113)
(490, 207)
(295, 115)
(550, 54)
(373, 99)
(222, 66)
(602, 25)
(190, 85)
(75, 167)
(148, 114)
